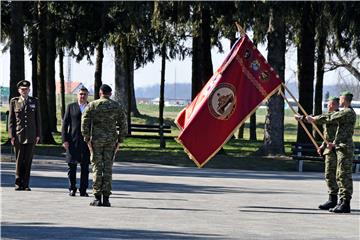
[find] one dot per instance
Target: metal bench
(148, 128)
(307, 152)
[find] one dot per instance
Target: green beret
(348, 95)
(332, 98)
(23, 83)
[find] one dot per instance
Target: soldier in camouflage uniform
(98, 126)
(344, 148)
(330, 155)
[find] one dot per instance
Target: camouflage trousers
(344, 172)
(102, 162)
(330, 173)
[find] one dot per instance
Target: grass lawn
(238, 153)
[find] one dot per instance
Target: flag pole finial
(240, 29)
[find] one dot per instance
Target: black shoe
(106, 202)
(72, 193)
(84, 194)
(19, 188)
(97, 201)
(344, 207)
(331, 203)
(27, 189)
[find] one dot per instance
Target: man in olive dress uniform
(24, 132)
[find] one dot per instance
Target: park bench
(149, 130)
(307, 152)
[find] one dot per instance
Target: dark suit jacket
(71, 132)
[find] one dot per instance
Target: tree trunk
(202, 68)
(50, 75)
(306, 52)
(121, 81)
(162, 99)
(34, 51)
(46, 136)
(196, 83)
(98, 69)
(62, 81)
(253, 120)
(17, 67)
(320, 63)
(274, 120)
(134, 110)
(253, 127)
(241, 131)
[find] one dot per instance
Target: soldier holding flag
(329, 154)
(344, 148)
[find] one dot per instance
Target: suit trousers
(84, 176)
(24, 155)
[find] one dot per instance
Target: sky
(176, 71)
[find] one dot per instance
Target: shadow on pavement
(311, 211)
(39, 232)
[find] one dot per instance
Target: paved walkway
(162, 202)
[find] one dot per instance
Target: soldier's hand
(12, 141)
(66, 145)
(330, 145)
(319, 151)
(310, 119)
(298, 117)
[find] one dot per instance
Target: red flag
(231, 95)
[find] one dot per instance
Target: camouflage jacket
(100, 119)
(330, 128)
(345, 119)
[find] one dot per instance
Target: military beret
(331, 98)
(106, 89)
(348, 95)
(23, 83)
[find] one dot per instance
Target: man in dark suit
(77, 150)
(24, 132)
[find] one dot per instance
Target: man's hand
(12, 141)
(298, 117)
(320, 150)
(310, 119)
(66, 145)
(331, 145)
(37, 140)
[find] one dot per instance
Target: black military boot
(329, 203)
(344, 207)
(97, 201)
(106, 202)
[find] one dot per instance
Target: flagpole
(303, 110)
(301, 122)
(240, 29)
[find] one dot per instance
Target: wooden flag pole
(303, 110)
(240, 29)
(301, 122)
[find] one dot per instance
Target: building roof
(70, 87)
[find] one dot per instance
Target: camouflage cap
(347, 94)
(23, 83)
(332, 98)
